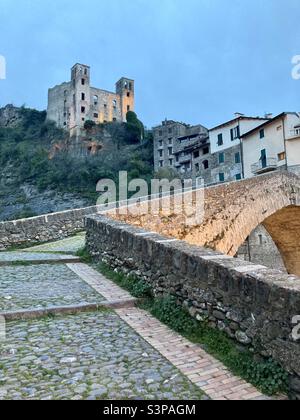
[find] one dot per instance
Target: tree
(135, 124)
(89, 125)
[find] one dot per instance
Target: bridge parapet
(254, 305)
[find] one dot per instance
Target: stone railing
(43, 228)
(254, 305)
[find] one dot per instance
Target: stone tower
(80, 79)
(72, 103)
(125, 90)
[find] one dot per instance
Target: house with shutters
(226, 146)
(273, 145)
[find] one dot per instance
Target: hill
(44, 170)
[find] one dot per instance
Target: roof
(242, 117)
(254, 130)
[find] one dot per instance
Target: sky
(197, 61)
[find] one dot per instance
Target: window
(237, 158)
(128, 94)
(205, 164)
(114, 103)
(160, 153)
(196, 154)
(130, 86)
(85, 72)
(170, 141)
(220, 140)
(170, 130)
(96, 115)
(65, 92)
(221, 177)
(171, 162)
(161, 164)
(261, 241)
(83, 119)
(105, 106)
(262, 134)
(221, 157)
(281, 156)
(83, 96)
(238, 177)
(279, 128)
(170, 150)
(83, 82)
(160, 143)
(83, 109)
(235, 133)
(65, 123)
(197, 167)
(128, 108)
(206, 150)
(95, 99)
(114, 120)
(160, 133)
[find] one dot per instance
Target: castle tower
(125, 89)
(81, 101)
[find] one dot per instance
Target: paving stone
(112, 369)
(34, 287)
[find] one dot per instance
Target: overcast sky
(196, 61)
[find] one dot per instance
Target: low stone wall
(252, 304)
(43, 228)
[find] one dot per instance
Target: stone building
(181, 147)
(72, 103)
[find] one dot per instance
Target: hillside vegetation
(41, 165)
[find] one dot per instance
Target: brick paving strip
(210, 375)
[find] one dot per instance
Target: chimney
(238, 114)
(269, 116)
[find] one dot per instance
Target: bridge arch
(234, 210)
(272, 201)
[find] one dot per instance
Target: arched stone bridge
(234, 210)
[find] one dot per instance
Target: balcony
(185, 159)
(295, 132)
(264, 165)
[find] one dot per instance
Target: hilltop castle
(72, 103)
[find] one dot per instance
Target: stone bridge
(233, 211)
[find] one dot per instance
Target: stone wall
(252, 304)
(43, 228)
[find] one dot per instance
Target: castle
(72, 103)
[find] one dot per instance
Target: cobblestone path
(104, 354)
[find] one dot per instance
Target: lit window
(281, 156)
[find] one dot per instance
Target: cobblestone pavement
(86, 356)
(28, 287)
(31, 256)
(68, 245)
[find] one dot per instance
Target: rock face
(10, 116)
(27, 201)
(254, 305)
